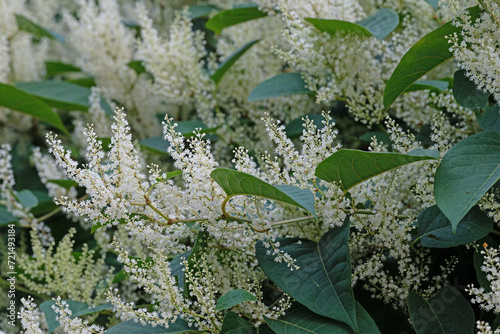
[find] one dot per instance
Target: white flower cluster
(488, 300)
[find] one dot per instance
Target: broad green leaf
(6, 217)
(466, 93)
(382, 23)
(351, 167)
(365, 321)
(433, 3)
(232, 298)
(132, 327)
(65, 183)
(27, 198)
(300, 320)
(489, 118)
(433, 85)
(50, 314)
(54, 68)
(137, 66)
(197, 11)
(84, 82)
(58, 94)
(226, 65)
(448, 312)
(155, 144)
(92, 310)
(283, 84)
(295, 127)
(234, 324)
(322, 281)
(231, 17)
(429, 52)
(18, 100)
(434, 229)
(468, 170)
(238, 183)
(36, 30)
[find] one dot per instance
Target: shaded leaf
(283, 84)
(365, 321)
(434, 229)
(226, 65)
(468, 170)
(230, 17)
(238, 183)
(177, 268)
(36, 30)
(50, 314)
(54, 68)
(232, 298)
(430, 51)
(6, 217)
(447, 312)
(295, 127)
(91, 310)
(27, 198)
(65, 183)
(351, 167)
(199, 247)
(131, 327)
(322, 281)
(433, 3)
(382, 23)
(489, 118)
(155, 144)
(137, 66)
(433, 85)
(18, 100)
(169, 175)
(466, 93)
(380, 136)
(234, 324)
(59, 94)
(334, 27)
(197, 11)
(478, 260)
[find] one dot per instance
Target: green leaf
(27, 198)
(365, 321)
(283, 84)
(65, 183)
(478, 260)
(50, 315)
(433, 85)
(187, 128)
(468, 170)
(137, 66)
(169, 175)
(382, 23)
(238, 183)
(295, 127)
(429, 52)
(466, 93)
(234, 324)
(229, 62)
(489, 118)
(447, 312)
(433, 3)
(119, 276)
(177, 268)
(351, 167)
(6, 217)
(434, 229)
(36, 30)
(322, 281)
(84, 82)
(380, 136)
(131, 327)
(54, 68)
(156, 145)
(197, 11)
(92, 310)
(58, 94)
(232, 298)
(18, 100)
(199, 247)
(231, 17)
(333, 27)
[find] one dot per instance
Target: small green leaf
(119, 276)
(58, 94)
(18, 100)
(197, 11)
(283, 84)
(433, 3)
(430, 51)
(156, 145)
(466, 93)
(380, 136)
(468, 170)
(334, 27)
(137, 66)
(187, 128)
(6, 217)
(50, 314)
(27, 198)
(65, 183)
(131, 327)
(238, 183)
(177, 268)
(54, 68)
(351, 167)
(434, 229)
(36, 30)
(231, 17)
(84, 82)
(226, 65)
(92, 310)
(169, 175)
(200, 246)
(295, 127)
(232, 298)
(322, 281)
(433, 85)
(448, 312)
(382, 23)
(234, 324)
(489, 118)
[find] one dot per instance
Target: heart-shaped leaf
(226, 65)
(231, 17)
(283, 84)
(434, 229)
(322, 281)
(447, 313)
(468, 170)
(351, 167)
(234, 297)
(235, 183)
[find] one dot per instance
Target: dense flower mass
(216, 165)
